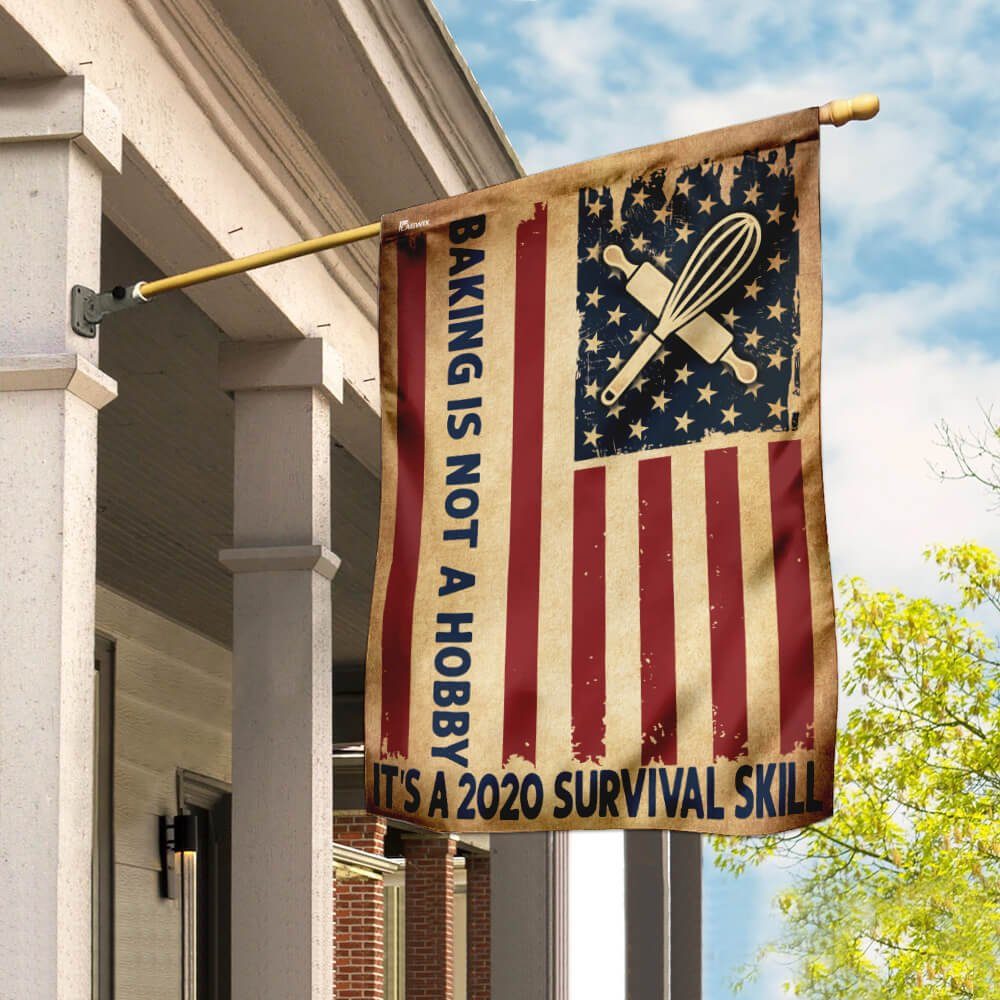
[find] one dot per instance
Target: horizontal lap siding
(173, 709)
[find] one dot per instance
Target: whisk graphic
(715, 265)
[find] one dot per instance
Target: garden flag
(603, 591)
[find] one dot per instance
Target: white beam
(662, 915)
(528, 919)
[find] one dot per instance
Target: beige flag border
(801, 128)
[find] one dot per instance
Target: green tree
(898, 894)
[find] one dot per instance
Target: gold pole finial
(859, 108)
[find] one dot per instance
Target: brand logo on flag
(603, 593)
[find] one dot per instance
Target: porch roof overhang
(249, 124)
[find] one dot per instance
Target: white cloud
(894, 366)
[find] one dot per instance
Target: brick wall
(430, 908)
(477, 899)
(359, 914)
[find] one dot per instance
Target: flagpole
(150, 289)
(89, 307)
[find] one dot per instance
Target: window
(394, 936)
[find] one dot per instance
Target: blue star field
(679, 397)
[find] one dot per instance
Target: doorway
(206, 899)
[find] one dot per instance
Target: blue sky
(911, 261)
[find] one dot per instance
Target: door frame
(201, 792)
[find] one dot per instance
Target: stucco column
(282, 916)
(662, 915)
(529, 915)
(57, 139)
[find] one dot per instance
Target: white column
(529, 916)
(662, 915)
(282, 919)
(57, 138)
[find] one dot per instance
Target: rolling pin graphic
(715, 265)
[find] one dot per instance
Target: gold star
(751, 194)
(774, 168)
(795, 222)
(639, 243)
(683, 422)
(660, 214)
(777, 262)
(615, 362)
(613, 411)
(684, 233)
(661, 258)
(637, 334)
(590, 390)
(637, 430)
(660, 401)
(595, 296)
(639, 198)
(752, 339)
(594, 252)
(706, 205)
(661, 354)
(729, 416)
(753, 290)
(776, 360)
(684, 187)
(639, 382)
(730, 317)
(617, 226)
(683, 374)
(752, 390)
(775, 311)
(774, 214)
(595, 207)
(777, 409)
(615, 316)
(705, 395)
(591, 436)
(593, 343)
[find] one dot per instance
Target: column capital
(282, 364)
(71, 372)
(278, 558)
(68, 108)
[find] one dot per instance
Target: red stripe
(725, 598)
(656, 613)
(521, 665)
(588, 683)
(791, 582)
(397, 615)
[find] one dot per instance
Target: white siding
(173, 710)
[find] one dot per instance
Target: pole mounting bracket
(88, 308)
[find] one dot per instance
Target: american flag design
(603, 593)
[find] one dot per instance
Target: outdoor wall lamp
(178, 844)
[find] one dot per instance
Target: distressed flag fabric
(603, 592)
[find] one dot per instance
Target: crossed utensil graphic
(715, 265)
